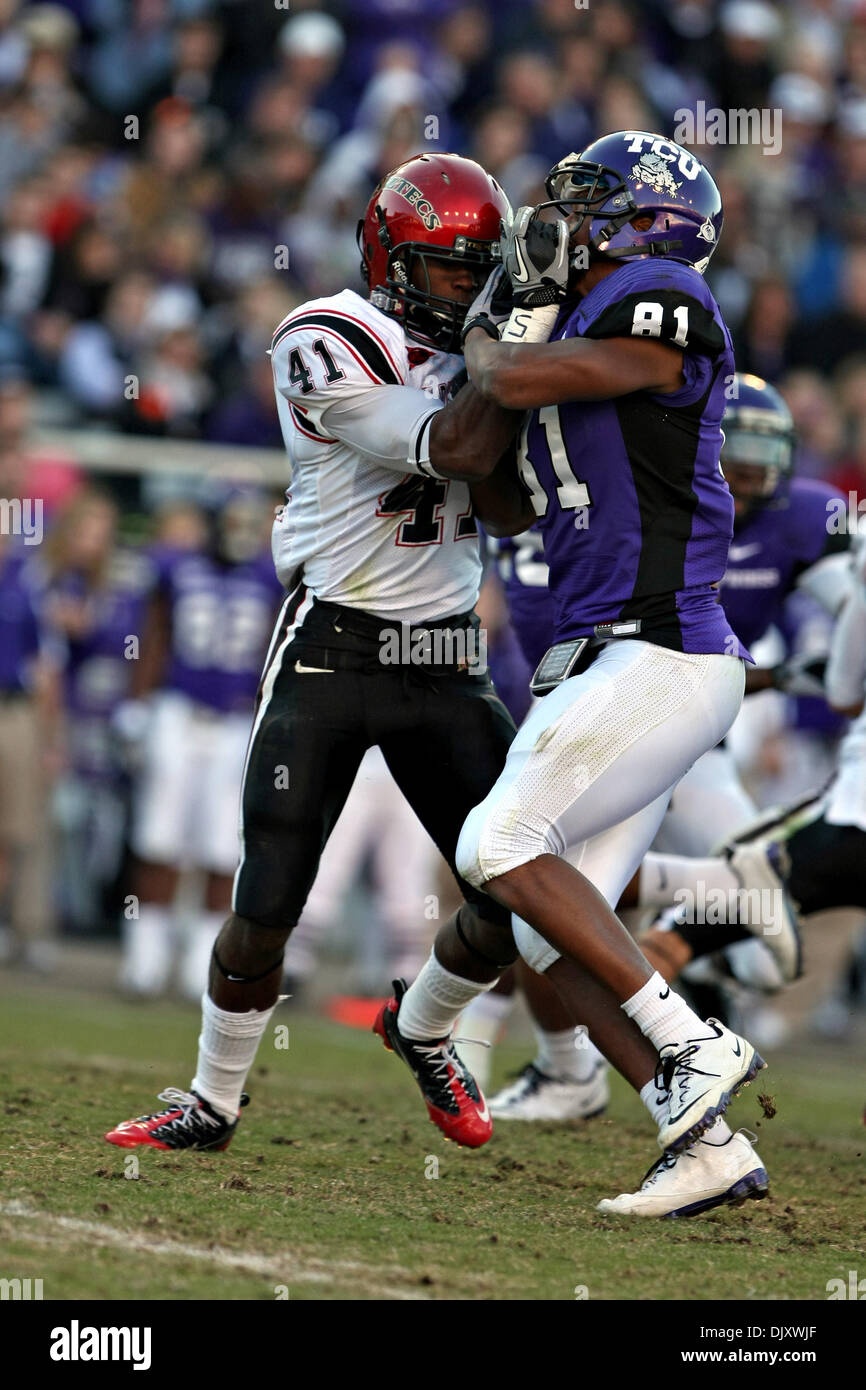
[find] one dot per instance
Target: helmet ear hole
(384, 234)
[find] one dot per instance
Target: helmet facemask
(761, 453)
(595, 191)
(578, 188)
(427, 315)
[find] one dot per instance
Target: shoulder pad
(659, 300)
(327, 343)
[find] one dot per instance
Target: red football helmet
(433, 207)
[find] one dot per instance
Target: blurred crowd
(176, 175)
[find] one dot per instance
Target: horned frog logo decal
(653, 170)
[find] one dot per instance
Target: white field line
(283, 1269)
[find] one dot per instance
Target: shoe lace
(661, 1165)
(673, 1064)
(440, 1056)
(193, 1110)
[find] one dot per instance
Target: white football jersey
(367, 522)
(846, 685)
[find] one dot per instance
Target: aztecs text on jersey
(366, 523)
(634, 510)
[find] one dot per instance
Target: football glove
(801, 675)
(491, 307)
(535, 258)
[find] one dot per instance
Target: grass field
(325, 1191)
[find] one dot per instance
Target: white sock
(485, 1016)
(661, 1014)
(718, 1133)
(147, 949)
(483, 1020)
(432, 1004)
(195, 967)
(567, 1056)
(656, 1100)
(664, 878)
(226, 1049)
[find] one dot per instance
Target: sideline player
(623, 433)
(192, 687)
(818, 844)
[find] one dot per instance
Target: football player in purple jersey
(193, 687)
(29, 755)
(784, 543)
(817, 843)
(94, 594)
(619, 354)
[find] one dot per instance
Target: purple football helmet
(634, 173)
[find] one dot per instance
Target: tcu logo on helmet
(661, 152)
(652, 170)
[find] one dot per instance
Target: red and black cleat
(453, 1099)
(188, 1123)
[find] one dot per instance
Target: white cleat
(702, 1177)
(703, 1077)
(535, 1096)
(768, 910)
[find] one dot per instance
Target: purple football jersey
(510, 673)
(97, 666)
(635, 513)
(771, 547)
(19, 624)
(221, 621)
(523, 571)
(807, 627)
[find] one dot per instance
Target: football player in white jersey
(377, 642)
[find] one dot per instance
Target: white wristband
(530, 325)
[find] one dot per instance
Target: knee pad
(538, 953)
(495, 840)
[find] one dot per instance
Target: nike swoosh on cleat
(672, 1119)
(484, 1114)
(737, 1051)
